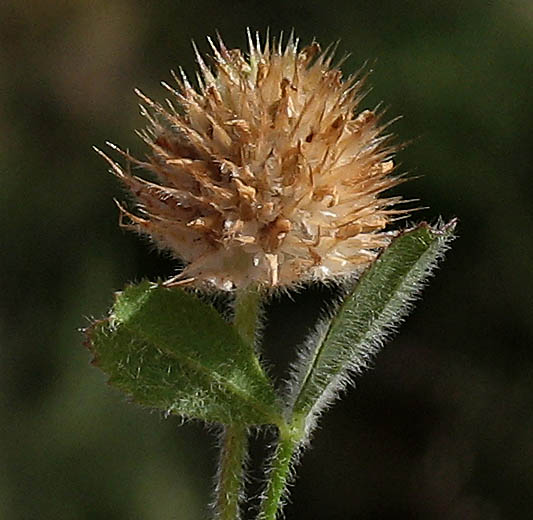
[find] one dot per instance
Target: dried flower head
(265, 173)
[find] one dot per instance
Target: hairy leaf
(369, 312)
(168, 349)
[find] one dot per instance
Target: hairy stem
(246, 315)
(231, 471)
(279, 474)
(234, 445)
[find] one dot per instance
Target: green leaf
(168, 349)
(369, 312)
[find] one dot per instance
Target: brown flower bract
(265, 174)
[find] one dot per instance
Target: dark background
(441, 428)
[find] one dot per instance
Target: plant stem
(234, 446)
(231, 471)
(246, 316)
(279, 475)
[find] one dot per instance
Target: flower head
(265, 173)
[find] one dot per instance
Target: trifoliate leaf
(167, 349)
(369, 312)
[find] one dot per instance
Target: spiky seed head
(265, 173)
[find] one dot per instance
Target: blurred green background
(441, 428)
